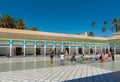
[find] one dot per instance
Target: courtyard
(39, 69)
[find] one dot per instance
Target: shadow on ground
(108, 77)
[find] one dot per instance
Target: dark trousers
(113, 58)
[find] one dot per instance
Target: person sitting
(109, 54)
(104, 57)
(101, 57)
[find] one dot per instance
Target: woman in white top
(62, 59)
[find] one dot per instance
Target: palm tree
(90, 34)
(34, 28)
(20, 24)
(105, 23)
(116, 24)
(78, 34)
(93, 24)
(103, 30)
(7, 21)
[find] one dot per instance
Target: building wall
(29, 51)
(4, 50)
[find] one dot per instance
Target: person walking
(73, 59)
(113, 55)
(51, 56)
(62, 57)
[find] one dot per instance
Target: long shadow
(108, 77)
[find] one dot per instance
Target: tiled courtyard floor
(39, 69)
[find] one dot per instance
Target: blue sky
(63, 16)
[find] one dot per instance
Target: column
(11, 44)
(77, 47)
(44, 49)
(54, 45)
(105, 48)
(35, 46)
(95, 48)
(69, 49)
(10, 49)
(114, 49)
(89, 48)
(83, 48)
(108, 48)
(45, 44)
(62, 46)
(70, 43)
(101, 48)
(24, 45)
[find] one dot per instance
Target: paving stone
(75, 73)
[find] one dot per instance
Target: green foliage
(93, 24)
(105, 22)
(90, 34)
(34, 28)
(115, 24)
(7, 21)
(20, 24)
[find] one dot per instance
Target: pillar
(101, 48)
(54, 45)
(95, 48)
(76, 49)
(89, 48)
(70, 43)
(45, 45)
(69, 49)
(83, 48)
(35, 46)
(44, 49)
(105, 48)
(24, 45)
(54, 49)
(10, 49)
(108, 48)
(10, 42)
(62, 46)
(114, 49)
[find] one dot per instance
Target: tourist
(73, 59)
(113, 55)
(51, 56)
(101, 57)
(62, 57)
(109, 54)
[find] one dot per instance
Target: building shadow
(108, 77)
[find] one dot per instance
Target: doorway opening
(18, 51)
